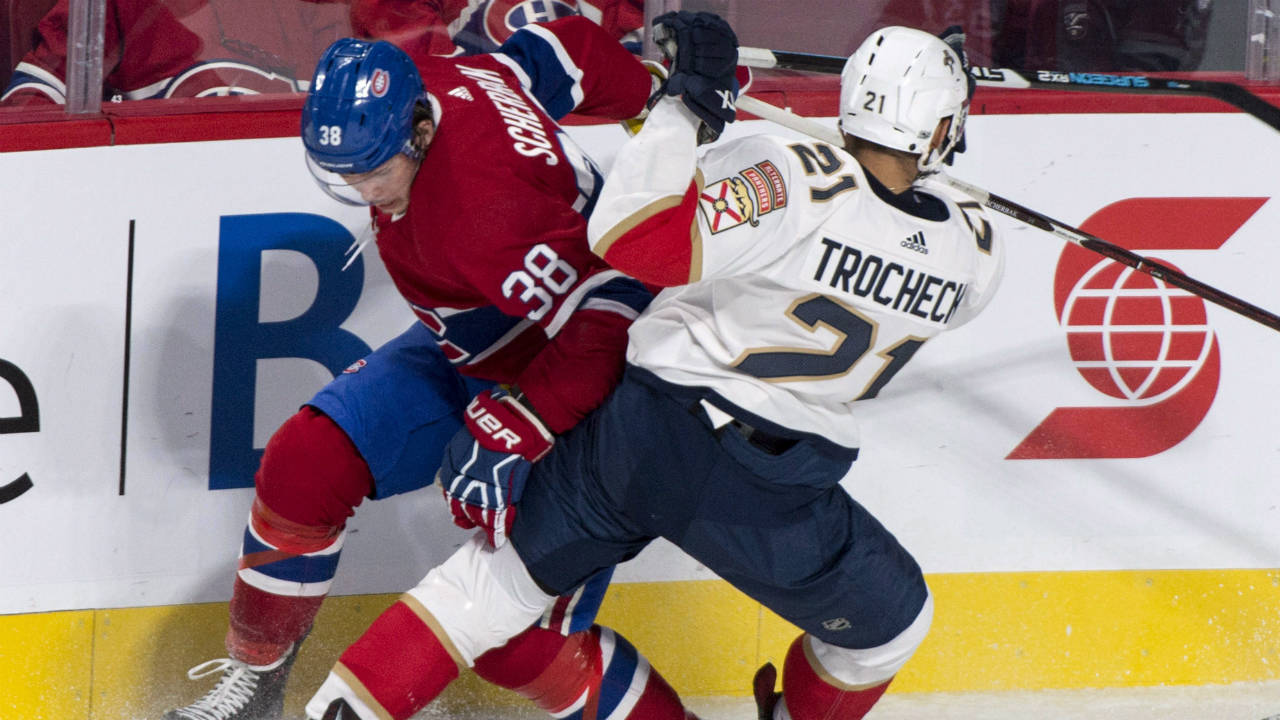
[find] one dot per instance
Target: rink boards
(1087, 472)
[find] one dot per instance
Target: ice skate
(244, 692)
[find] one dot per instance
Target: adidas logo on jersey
(462, 92)
(916, 242)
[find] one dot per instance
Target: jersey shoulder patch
(749, 185)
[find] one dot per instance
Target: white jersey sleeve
(991, 271)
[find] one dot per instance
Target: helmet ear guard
(895, 89)
(360, 108)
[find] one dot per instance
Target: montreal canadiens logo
(221, 78)
(1144, 345)
(529, 12)
(379, 82)
(492, 22)
(503, 17)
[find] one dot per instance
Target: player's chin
(393, 207)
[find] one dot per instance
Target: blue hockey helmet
(359, 109)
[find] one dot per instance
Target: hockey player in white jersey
(814, 274)
(800, 277)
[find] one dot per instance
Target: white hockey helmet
(896, 87)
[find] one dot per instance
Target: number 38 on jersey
(545, 275)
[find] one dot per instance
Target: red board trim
(267, 116)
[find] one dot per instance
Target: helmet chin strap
(931, 160)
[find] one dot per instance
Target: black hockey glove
(954, 38)
(703, 52)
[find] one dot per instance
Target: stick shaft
(788, 119)
(764, 58)
(1230, 93)
(1158, 270)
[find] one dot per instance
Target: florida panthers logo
(1144, 345)
(727, 204)
(743, 198)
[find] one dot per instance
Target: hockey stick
(788, 119)
(1229, 93)
(1155, 269)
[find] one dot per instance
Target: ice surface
(1244, 701)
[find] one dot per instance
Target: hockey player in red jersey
(468, 27)
(184, 48)
(736, 419)
(197, 48)
(480, 204)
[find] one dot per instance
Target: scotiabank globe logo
(1133, 337)
(1145, 346)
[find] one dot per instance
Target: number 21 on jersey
(855, 333)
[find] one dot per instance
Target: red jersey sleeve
(580, 366)
(573, 65)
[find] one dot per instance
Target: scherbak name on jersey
(523, 124)
(888, 282)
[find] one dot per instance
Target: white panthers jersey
(812, 284)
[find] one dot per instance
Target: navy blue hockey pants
(769, 516)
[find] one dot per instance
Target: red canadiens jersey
(186, 48)
(197, 48)
(469, 27)
(492, 253)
